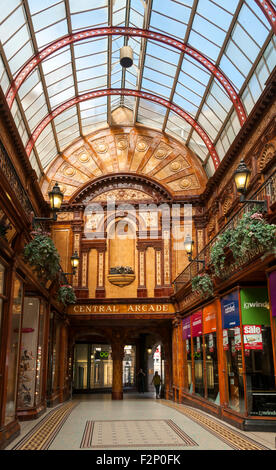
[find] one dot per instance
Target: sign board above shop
(92, 309)
(210, 318)
(230, 310)
(255, 306)
(197, 324)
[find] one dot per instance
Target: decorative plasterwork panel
(122, 195)
(133, 150)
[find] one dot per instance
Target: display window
(129, 365)
(40, 363)
(187, 342)
(55, 355)
(28, 354)
(29, 382)
(93, 367)
(232, 351)
(197, 339)
(211, 356)
(14, 350)
(258, 354)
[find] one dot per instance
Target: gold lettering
(76, 308)
(130, 308)
(88, 308)
(101, 308)
(165, 308)
(144, 308)
(115, 308)
(81, 308)
(108, 308)
(151, 308)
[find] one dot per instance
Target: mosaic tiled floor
(43, 434)
(233, 438)
(136, 433)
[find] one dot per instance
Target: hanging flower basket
(203, 285)
(252, 234)
(66, 295)
(43, 256)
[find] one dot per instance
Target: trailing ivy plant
(66, 295)
(203, 285)
(252, 232)
(217, 255)
(42, 254)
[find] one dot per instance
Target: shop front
(32, 361)
(229, 360)
(93, 367)
(199, 334)
(258, 354)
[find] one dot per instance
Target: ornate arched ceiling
(126, 150)
(206, 63)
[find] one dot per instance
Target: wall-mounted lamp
(74, 263)
(149, 350)
(56, 198)
(188, 247)
(241, 178)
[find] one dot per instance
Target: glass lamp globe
(75, 260)
(188, 245)
(241, 177)
(55, 197)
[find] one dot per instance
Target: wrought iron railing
(266, 191)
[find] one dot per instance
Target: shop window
(197, 340)
(211, 367)
(258, 355)
(13, 350)
(40, 353)
(234, 367)
(28, 354)
(232, 351)
(211, 358)
(186, 335)
(31, 354)
(129, 366)
(198, 365)
(80, 367)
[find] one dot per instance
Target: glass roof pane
(7, 8)
(170, 17)
(36, 6)
(83, 5)
(89, 19)
(51, 33)
(47, 17)
(202, 24)
(55, 61)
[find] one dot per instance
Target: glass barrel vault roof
(236, 37)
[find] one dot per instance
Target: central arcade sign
(90, 309)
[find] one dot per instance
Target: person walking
(156, 381)
(141, 381)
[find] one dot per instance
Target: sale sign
(252, 337)
(225, 341)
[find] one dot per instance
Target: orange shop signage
(209, 318)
